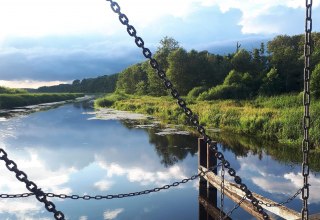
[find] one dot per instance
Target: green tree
(155, 85)
(241, 61)
(178, 71)
(286, 53)
(271, 84)
(130, 77)
(315, 82)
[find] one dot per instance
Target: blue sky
(45, 42)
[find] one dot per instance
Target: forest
(272, 69)
(266, 71)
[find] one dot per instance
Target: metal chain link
(306, 117)
(116, 196)
(222, 191)
(31, 186)
(235, 207)
(182, 103)
(284, 202)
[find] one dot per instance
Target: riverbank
(276, 118)
(8, 101)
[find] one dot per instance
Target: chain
(182, 103)
(117, 196)
(306, 117)
(222, 191)
(284, 202)
(31, 186)
(235, 207)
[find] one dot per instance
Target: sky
(47, 42)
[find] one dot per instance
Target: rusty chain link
(31, 186)
(182, 103)
(306, 116)
(115, 196)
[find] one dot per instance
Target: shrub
(225, 92)
(196, 91)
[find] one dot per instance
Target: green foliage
(233, 91)
(233, 78)
(178, 71)
(130, 78)
(109, 99)
(315, 82)
(271, 83)
(287, 58)
(196, 91)
(101, 84)
(23, 99)
(275, 118)
(241, 61)
(6, 90)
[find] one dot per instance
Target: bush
(109, 99)
(196, 91)
(5, 90)
(225, 92)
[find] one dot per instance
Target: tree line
(101, 84)
(268, 70)
(271, 69)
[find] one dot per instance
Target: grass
(276, 118)
(8, 101)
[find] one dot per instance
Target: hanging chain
(284, 202)
(306, 103)
(182, 103)
(235, 207)
(31, 186)
(116, 196)
(222, 192)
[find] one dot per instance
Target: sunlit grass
(276, 118)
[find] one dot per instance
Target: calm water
(73, 150)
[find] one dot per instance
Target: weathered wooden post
(206, 190)
(202, 161)
(211, 190)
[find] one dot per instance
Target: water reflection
(69, 150)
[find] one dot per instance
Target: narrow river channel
(72, 149)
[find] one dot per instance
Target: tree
(315, 82)
(271, 83)
(178, 71)
(130, 77)
(286, 53)
(241, 61)
(155, 85)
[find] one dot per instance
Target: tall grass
(22, 99)
(272, 118)
(6, 90)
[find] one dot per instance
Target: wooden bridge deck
(233, 191)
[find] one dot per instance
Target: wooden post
(202, 161)
(211, 190)
(206, 190)
(234, 192)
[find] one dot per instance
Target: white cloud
(103, 185)
(112, 214)
(29, 83)
(252, 10)
(144, 177)
(297, 181)
(34, 166)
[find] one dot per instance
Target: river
(73, 149)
